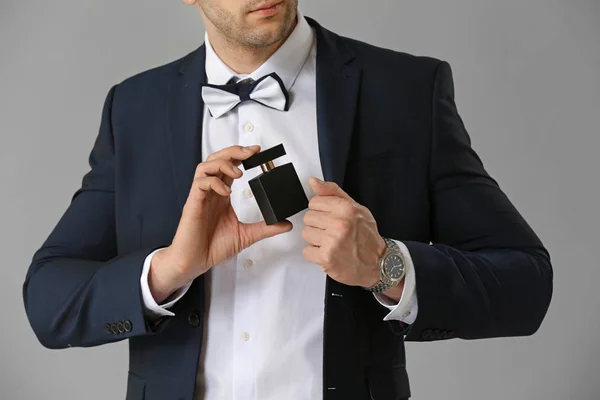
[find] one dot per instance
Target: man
(406, 237)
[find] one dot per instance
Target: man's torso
(387, 134)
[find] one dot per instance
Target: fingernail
(236, 169)
(317, 179)
(249, 149)
(227, 188)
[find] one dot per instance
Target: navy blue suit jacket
(389, 134)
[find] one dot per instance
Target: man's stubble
(239, 33)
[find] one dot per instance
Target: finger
(255, 232)
(218, 168)
(314, 236)
(312, 254)
(212, 183)
(234, 153)
(228, 179)
(328, 204)
(327, 188)
(317, 219)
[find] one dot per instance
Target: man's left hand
(343, 236)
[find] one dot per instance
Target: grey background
(526, 75)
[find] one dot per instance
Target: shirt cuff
(151, 308)
(407, 308)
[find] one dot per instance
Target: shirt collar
(287, 61)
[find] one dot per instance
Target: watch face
(394, 267)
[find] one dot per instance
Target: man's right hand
(209, 231)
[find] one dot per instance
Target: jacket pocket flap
(388, 383)
(136, 387)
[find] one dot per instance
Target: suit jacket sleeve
(76, 286)
(486, 273)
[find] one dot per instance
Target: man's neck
(242, 59)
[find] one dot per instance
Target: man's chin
(267, 35)
(267, 23)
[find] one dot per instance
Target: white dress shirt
(263, 330)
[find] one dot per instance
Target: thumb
(252, 233)
(327, 188)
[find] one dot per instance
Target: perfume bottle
(277, 190)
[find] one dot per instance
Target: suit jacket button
(120, 327)
(108, 329)
(114, 329)
(194, 319)
(127, 326)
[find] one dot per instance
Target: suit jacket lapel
(338, 80)
(185, 114)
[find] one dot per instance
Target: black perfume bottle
(277, 190)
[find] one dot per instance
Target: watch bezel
(382, 264)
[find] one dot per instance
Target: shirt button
(406, 314)
(248, 193)
(245, 336)
(248, 127)
(248, 263)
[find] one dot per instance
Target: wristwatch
(392, 266)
